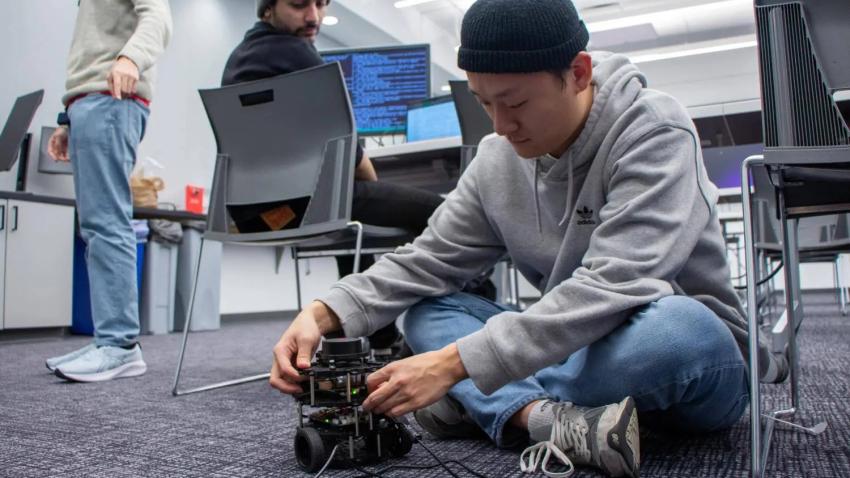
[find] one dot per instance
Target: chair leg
(756, 463)
(186, 325)
(297, 277)
(843, 291)
(358, 244)
(836, 283)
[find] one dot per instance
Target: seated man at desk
(595, 186)
(282, 42)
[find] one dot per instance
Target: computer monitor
(46, 163)
(16, 128)
(382, 81)
(431, 119)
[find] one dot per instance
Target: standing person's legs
(105, 134)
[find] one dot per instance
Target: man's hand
(414, 382)
(298, 344)
(57, 147)
(122, 78)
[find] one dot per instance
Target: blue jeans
(104, 136)
(674, 357)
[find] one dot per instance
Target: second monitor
(431, 119)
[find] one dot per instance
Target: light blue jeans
(105, 134)
(674, 357)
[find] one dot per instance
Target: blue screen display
(432, 121)
(381, 82)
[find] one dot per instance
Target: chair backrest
(287, 138)
(475, 124)
(803, 60)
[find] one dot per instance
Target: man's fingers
(305, 353)
(114, 85)
(392, 401)
(283, 357)
(402, 409)
(127, 86)
(377, 378)
(52, 150)
(276, 381)
(380, 395)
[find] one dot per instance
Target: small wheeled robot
(332, 426)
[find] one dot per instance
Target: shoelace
(567, 434)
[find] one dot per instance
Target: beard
(302, 32)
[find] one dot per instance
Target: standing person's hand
(122, 78)
(57, 147)
(298, 344)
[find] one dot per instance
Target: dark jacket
(266, 52)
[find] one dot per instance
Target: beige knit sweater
(108, 29)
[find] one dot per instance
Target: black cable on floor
(444, 464)
(761, 282)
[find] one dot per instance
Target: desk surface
(138, 212)
(416, 147)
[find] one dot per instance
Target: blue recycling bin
(81, 318)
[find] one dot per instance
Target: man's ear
(581, 70)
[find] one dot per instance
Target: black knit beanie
(262, 5)
(520, 36)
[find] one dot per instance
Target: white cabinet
(37, 242)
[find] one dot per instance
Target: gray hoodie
(625, 217)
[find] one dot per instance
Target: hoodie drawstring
(568, 207)
(537, 195)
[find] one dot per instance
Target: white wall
(34, 46)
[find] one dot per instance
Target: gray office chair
(818, 239)
(803, 61)
(285, 143)
(475, 124)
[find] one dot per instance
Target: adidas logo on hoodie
(585, 217)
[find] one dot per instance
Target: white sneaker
(104, 363)
(54, 362)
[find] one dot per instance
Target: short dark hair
(560, 74)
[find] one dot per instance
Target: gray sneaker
(54, 362)
(447, 419)
(104, 363)
(604, 437)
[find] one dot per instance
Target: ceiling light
(703, 10)
(692, 52)
(330, 20)
(410, 3)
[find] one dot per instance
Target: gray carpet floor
(134, 427)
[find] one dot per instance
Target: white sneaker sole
(130, 369)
